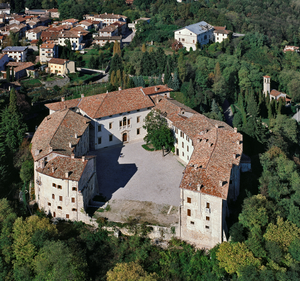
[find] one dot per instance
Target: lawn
(179, 96)
(31, 83)
(76, 77)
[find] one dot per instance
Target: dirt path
(142, 211)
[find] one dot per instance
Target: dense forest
(265, 220)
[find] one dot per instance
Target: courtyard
(132, 179)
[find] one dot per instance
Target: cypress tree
(190, 91)
(151, 81)
(167, 72)
(12, 101)
(8, 74)
(175, 83)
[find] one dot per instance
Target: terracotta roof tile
(157, 89)
(109, 103)
(59, 166)
(56, 132)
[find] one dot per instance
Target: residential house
(5, 8)
(102, 40)
(61, 66)
(36, 12)
(71, 22)
(18, 53)
(109, 31)
(33, 23)
(291, 49)
(18, 20)
(54, 13)
(65, 179)
(52, 36)
(86, 24)
(44, 20)
(75, 37)
(20, 68)
(274, 94)
(106, 18)
(35, 33)
(122, 27)
(220, 33)
(190, 35)
(48, 51)
(135, 22)
(4, 59)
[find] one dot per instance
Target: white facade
(120, 128)
(18, 56)
(267, 85)
(33, 35)
(183, 145)
(220, 37)
(190, 35)
(76, 42)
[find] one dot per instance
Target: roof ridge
(215, 145)
(67, 110)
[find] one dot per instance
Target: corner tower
(267, 85)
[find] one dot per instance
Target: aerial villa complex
(65, 177)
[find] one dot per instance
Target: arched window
(124, 121)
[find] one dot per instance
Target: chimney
(67, 174)
(52, 169)
(82, 95)
(72, 155)
(238, 142)
(199, 186)
(217, 125)
(83, 158)
(50, 149)
(156, 89)
(37, 151)
(220, 183)
(235, 129)
(62, 98)
(120, 89)
(70, 144)
(76, 136)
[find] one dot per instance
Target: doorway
(177, 151)
(125, 137)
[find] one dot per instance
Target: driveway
(129, 172)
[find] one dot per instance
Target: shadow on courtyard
(110, 173)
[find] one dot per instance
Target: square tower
(267, 85)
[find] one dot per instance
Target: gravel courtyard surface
(129, 172)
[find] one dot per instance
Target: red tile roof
(59, 166)
(109, 103)
(157, 89)
(210, 166)
(57, 61)
(56, 132)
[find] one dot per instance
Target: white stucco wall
(110, 125)
(204, 226)
(220, 37)
(183, 145)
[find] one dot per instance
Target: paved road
(138, 174)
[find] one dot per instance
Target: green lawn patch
(179, 96)
(31, 83)
(145, 146)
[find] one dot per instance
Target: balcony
(124, 127)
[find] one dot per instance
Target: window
(99, 128)
(128, 122)
(54, 215)
(188, 158)
(138, 131)
(59, 187)
(74, 188)
(182, 153)
(207, 205)
(182, 145)
(120, 123)
(189, 200)
(188, 212)
(187, 148)
(192, 222)
(138, 119)
(207, 227)
(207, 218)
(181, 134)
(182, 39)
(59, 207)
(110, 125)
(49, 204)
(176, 140)
(67, 216)
(73, 200)
(187, 138)
(60, 198)
(53, 184)
(124, 121)
(99, 140)
(110, 137)
(74, 210)
(176, 130)
(53, 196)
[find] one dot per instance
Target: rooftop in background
(15, 49)
(197, 28)
(57, 61)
